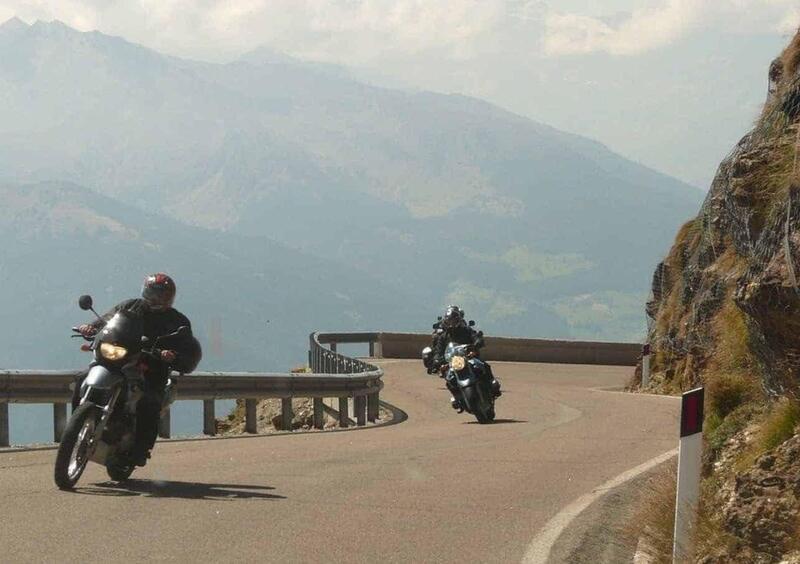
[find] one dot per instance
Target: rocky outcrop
(761, 511)
(725, 313)
(741, 251)
(268, 417)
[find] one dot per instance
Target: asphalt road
(436, 488)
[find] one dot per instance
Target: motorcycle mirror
(86, 304)
(471, 323)
(439, 318)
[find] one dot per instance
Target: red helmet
(159, 291)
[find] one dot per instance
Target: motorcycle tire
(472, 402)
(65, 474)
(119, 472)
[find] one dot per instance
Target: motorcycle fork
(106, 411)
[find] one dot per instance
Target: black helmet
(453, 317)
(158, 291)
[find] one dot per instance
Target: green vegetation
(719, 430)
(780, 424)
(733, 352)
(727, 392)
(734, 397)
(494, 304)
(534, 266)
(654, 515)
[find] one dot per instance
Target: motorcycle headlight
(458, 363)
(112, 352)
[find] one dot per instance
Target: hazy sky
(670, 83)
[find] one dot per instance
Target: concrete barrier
(409, 345)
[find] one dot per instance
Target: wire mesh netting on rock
(735, 266)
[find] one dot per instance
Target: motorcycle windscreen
(454, 349)
(123, 329)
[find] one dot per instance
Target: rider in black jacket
(453, 328)
(160, 318)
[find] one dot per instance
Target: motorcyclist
(159, 319)
(453, 328)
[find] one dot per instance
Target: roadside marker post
(646, 365)
(690, 454)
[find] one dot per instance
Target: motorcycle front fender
(101, 387)
(466, 377)
(102, 378)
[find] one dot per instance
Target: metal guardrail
(333, 375)
(516, 349)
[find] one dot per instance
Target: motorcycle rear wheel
(73, 451)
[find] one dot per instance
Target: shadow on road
(498, 422)
(180, 490)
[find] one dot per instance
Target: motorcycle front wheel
(75, 447)
(484, 414)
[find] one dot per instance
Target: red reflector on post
(692, 412)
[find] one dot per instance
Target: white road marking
(539, 549)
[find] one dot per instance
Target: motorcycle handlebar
(79, 334)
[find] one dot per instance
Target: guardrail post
(319, 414)
(377, 349)
(59, 420)
(373, 407)
(286, 414)
(164, 427)
(4, 435)
(250, 417)
(209, 420)
(690, 463)
(645, 366)
(360, 407)
(343, 412)
(372, 349)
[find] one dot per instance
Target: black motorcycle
(472, 379)
(102, 428)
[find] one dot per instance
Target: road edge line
(539, 548)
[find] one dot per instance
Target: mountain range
(276, 189)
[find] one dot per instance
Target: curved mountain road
(436, 488)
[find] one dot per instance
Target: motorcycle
(102, 428)
(473, 382)
(427, 352)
